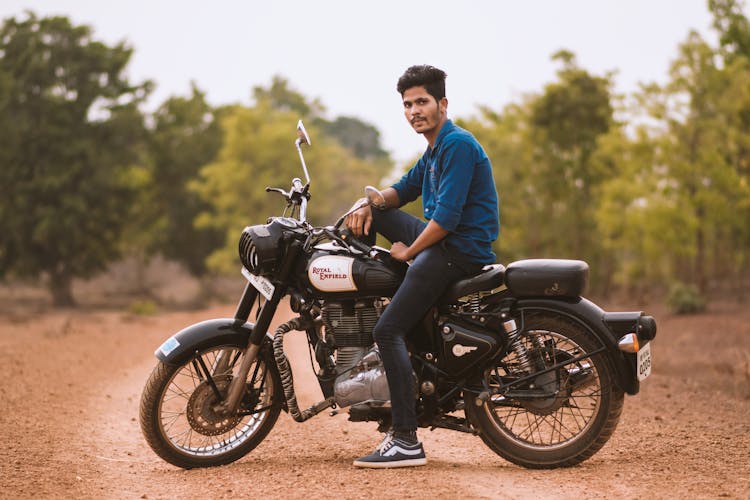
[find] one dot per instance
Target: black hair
(424, 75)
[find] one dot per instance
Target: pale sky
(349, 53)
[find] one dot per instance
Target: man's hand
(431, 234)
(400, 252)
(359, 222)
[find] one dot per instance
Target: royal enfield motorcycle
(513, 354)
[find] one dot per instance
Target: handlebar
(298, 195)
(354, 242)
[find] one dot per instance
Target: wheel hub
(201, 414)
(546, 383)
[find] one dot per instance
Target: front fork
(267, 310)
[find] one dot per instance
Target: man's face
(423, 112)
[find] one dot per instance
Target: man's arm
(360, 221)
(432, 234)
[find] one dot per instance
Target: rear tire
(177, 417)
(561, 430)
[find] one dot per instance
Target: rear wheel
(179, 415)
(558, 418)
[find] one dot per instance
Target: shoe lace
(386, 442)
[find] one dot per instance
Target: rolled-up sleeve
(457, 162)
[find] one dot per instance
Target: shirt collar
(447, 127)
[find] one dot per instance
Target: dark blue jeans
(429, 275)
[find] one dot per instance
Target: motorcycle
(513, 354)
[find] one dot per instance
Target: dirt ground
(72, 381)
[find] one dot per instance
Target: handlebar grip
(355, 242)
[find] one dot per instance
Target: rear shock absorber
(517, 344)
(518, 347)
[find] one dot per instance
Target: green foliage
(258, 152)
(660, 195)
(705, 155)
(541, 151)
(566, 122)
(505, 138)
(362, 138)
(280, 97)
(570, 115)
(69, 130)
(685, 299)
(186, 136)
(733, 27)
(663, 196)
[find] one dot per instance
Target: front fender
(601, 325)
(181, 346)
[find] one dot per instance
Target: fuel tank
(332, 272)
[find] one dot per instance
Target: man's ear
(443, 105)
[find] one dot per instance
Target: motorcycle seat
(489, 278)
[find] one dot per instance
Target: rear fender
(181, 346)
(603, 326)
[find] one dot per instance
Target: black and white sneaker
(393, 452)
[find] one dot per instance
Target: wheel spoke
(559, 418)
(188, 418)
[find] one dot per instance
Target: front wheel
(560, 417)
(179, 416)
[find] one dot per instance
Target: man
(454, 178)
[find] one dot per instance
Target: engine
(361, 376)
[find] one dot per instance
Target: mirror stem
(302, 159)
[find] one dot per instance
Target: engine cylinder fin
(351, 326)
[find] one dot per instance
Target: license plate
(643, 362)
(260, 283)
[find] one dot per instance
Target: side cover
(182, 345)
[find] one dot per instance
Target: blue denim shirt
(458, 192)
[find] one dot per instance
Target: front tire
(177, 412)
(576, 417)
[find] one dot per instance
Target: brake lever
(278, 190)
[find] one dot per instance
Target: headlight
(260, 248)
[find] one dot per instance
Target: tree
(506, 140)
(70, 129)
(733, 27)
(186, 136)
(541, 151)
(643, 228)
(705, 106)
(361, 138)
(566, 122)
(280, 97)
(679, 206)
(258, 151)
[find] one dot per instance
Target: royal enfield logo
(459, 350)
(332, 274)
(326, 273)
